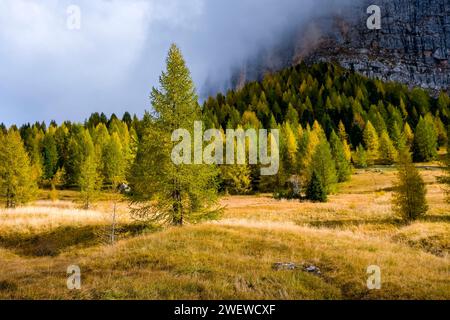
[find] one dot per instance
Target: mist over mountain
(412, 46)
(111, 63)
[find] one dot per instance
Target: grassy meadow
(233, 258)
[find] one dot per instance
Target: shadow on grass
(334, 224)
(53, 242)
(435, 218)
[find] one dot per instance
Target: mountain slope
(412, 47)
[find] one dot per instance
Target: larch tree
(343, 166)
(344, 139)
(324, 166)
(164, 191)
(425, 141)
(236, 179)
(50, 155)
(290, 148)
(410, 191)
(387, 151)
(408, 135)
(17, 184)
(360, 157)
(89, 179)
(114, 161)
(371, 142)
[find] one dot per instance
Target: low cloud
(50, 72)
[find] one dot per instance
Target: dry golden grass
(232, 258)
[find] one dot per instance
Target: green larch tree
(343, 166)
(409, 198)
(163, 191)
(89, 179)
(425, 141)
(324, 166)
(17, 184)
(371, 142)
(50, 155)
(388, 153)
(360, 157)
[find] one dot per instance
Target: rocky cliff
(412, 46)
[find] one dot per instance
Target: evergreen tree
(181, 192)
(17, 184)
(410, 195)
(315, 190)
(343, 167)
(425, 142)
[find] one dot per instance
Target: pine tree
(410, 195)
(371, 142)
(425, 142)
(180, 193)
(315, 190)
(343, 167)
(17, 184)
(387, 151)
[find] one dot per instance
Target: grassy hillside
(233, 258)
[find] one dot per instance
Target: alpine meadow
(312, 180)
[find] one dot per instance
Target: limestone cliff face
(412, 47)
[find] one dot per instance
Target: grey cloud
(48, 72)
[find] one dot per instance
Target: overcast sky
(48, 71)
